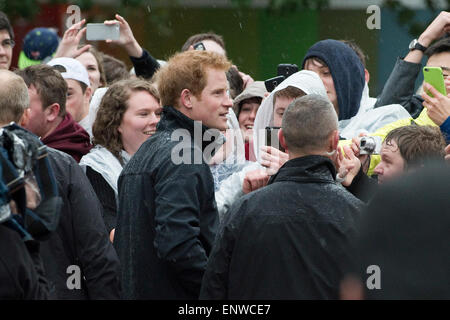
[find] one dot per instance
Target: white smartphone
(101, 31)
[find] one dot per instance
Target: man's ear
(52, 112)
(282, 140)
(25, 117)
(186, 98)
(366, 75)
(88, 93)
(333, 141)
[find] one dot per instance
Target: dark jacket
(289, 240)
(145, 66)
(399, 88)
(69, 137)
(21, 271)
(81, 238)
(167, 216)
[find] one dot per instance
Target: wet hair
(235, 81)
(417, 144)
(187, 70)
(442, 45)
(203, 36)
(49, 84)
(289, 92)
(115, 69)
(308, 122)
(6, 25)
(14, 98)
(113, 105)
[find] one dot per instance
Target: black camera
(284, 70)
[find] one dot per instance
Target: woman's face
(139, 120)
(247, 118)
(88, 60)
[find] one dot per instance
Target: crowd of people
(186, 179)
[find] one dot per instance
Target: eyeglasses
(8, 43)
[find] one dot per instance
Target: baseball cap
(74, 69)
(38, 45)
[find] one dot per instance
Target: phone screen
(100, 31)
(272, 138)
(434, 76)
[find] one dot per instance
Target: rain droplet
(240, 25)
(149, 10)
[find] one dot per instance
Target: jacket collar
(173, 119)
(306, 169)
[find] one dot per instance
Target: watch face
(412, 44)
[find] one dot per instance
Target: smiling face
(324, 73)
(139, 120)
(392, 163)
(247, 116)
(211, 107)
(6, 49)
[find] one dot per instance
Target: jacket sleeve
(182, 193)
(362, 186)
(106, 197)
(399, 88)
(445, 129)
(145, 66)
(215, 279)
(98, 259)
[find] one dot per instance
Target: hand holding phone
(434, 76)
(101, 31)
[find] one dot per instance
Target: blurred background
(259, 34)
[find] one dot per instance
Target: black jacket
(167, 216)
(290, 240)
(21, 271)
(81, 238)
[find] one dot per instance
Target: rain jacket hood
(347, 72)
(308, 81)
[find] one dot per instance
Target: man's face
(76, 100)
(5, 49)
(37, 120)
(441, 60)
(325, 75)
(281, 103)
(392, 164)
(212, 106)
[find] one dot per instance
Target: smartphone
(434, 76)
(272, 83)
(199, 46)
(101, 31)
(272, 138)
(286, 69)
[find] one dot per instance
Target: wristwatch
(415, 45)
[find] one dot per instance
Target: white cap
(74, 69)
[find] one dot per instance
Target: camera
(284, 70)
(370, 145)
